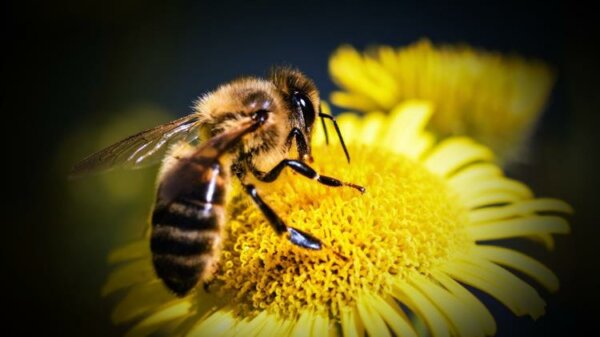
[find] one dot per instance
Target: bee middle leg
(296, 236)
(305, 170)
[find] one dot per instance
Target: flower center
(408, 221)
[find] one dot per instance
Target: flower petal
(303, 327)
(517, 295)
(539, 224)
(521, 208)
(132, 251)
(405, 129)
(393, 315)
(347, 68)
(418, 303)
(139, 300)
(252, 327)
(139, 271)
(352, 101)
(351, 324)
(473, 174)
(349, 126)
(320, 326)
(491, 199)
(388, 88)
(493, 185)
(371, 128)
(458, 314)
(373, 322)
(173, 310)
(546, 239)
(389, 60)
(219, 323)
(520, 262)
(480, 313)
(454, 153)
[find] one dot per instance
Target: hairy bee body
(247, 128)
(187, 222)
(188, 218)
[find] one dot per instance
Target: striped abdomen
(187, 223)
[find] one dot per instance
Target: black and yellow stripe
(186, 231)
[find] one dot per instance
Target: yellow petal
(139, 300)
(371, 128)
(349, 126)
(458, 314)
(419, 304)
(520, 262)
(480, 313)
(351, 324)
(492, 198)
(139, 271)
(352, 101)
(132, 251)
(320, 326)
(494, 185)
(546, 239)
(404, 129)
(387, 93)
(373, 322)
(520, 208)
(393, 315)
(350, 70)
(304, 325)
(389, 60)
(473, 175)
(171, 311)
(517, 295)
(454, 153)
(253, 326)
(539, 224)
(217, 324)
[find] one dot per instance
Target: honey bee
(249, 126)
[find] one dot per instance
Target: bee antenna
(337, 129)
(324, 128)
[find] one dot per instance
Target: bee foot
(303, 239)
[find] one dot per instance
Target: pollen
(407, 222)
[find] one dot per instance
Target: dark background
(72, 71)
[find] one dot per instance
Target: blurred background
(81, 75)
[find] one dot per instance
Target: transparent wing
(142, 149)
(176, 182)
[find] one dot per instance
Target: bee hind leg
(296, 236)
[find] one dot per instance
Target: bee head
(302, 99)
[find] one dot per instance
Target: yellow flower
(404, 249)
(493, 98)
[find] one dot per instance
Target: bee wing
(142, 149)
(177, 181)
(214, 147)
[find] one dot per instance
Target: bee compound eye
(304, 106)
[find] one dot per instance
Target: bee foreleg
(296, 236)
(303, 148)
(305, 170)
